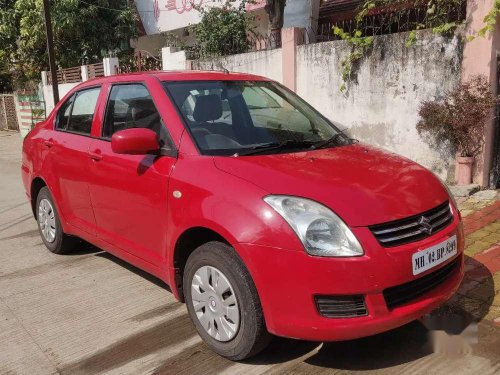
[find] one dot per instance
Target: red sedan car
(256, 210)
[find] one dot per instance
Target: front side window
(131, 106)
(250, 117)
(82, 111)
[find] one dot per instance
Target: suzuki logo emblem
(425, 225)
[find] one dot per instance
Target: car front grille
(404, 293)
(413, 228)
(341, 306)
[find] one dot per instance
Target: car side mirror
(135, 141)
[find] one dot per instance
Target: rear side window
(64, 113)
(131, 106)
(82, 112)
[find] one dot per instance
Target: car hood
(361, 184)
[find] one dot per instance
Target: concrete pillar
(85, 73)
(172, 58)
(45, 78)
(480, 57)
(110, 65)
(290, 38)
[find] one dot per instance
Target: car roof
(181, 75)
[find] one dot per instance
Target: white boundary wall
(266, 63)
(381, 108)
(392, 82)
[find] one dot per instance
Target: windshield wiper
(290, 143)
(333, 140)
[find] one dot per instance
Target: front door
(129, 192)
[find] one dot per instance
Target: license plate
(426, 259)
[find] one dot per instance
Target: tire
(251, 337)
(56, 241)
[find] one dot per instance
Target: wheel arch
(36, 185)
(188, 241)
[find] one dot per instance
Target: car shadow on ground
(131, 268)
(82, 247)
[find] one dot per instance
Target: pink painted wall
(258, 4)
(480, 57)
(290, 39)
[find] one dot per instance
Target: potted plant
(459, 120)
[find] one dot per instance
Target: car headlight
(321, 231)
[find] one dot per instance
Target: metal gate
(8, 116)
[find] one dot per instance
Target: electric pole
(50, 49)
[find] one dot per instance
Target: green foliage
(84, 31)
(459, 119)
(223, 30)
(8, 26)
(5, 78)
(359, 46)
(134, 62)
(490, 21)
(411, 39)
(38, 114)
(172, 40)
(445, 28)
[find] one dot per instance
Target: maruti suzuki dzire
(257, 211)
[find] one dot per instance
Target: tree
(84, 31)
(223, 30)
(7, 42)
(5, 79)
(275, 9)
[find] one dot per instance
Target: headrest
(141, 109)
(207, 108)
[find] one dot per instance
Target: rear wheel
(49, 225)
(223, 303)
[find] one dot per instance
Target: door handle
(95, 155)
(48, 143)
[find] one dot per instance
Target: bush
(223, 30)
(459, 119)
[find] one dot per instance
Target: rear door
(129, 192)
(68, 147)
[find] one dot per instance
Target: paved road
(91, 313)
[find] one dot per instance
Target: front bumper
(288, 280)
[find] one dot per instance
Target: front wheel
(223, 303)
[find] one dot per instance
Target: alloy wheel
(47, 220)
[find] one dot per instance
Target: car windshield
(250, 117)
